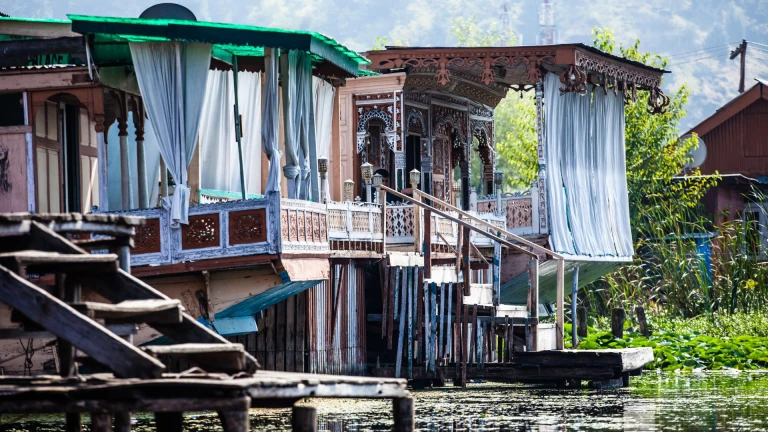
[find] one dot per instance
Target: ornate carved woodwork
(248, 226)
(201, 232)
(147, 237)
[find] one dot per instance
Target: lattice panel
(147, 238)
(486, 207)
(360, 222)
(202, 232)
(400, 221)
(247, 226)
(376, 223)
(337, 220)
(519, 213)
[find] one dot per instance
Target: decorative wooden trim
(248, 226)
(201, 232)
(147, 238)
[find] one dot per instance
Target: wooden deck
(549, 366)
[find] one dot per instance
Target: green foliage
(383, 42)
(516, 142)
(468, 32)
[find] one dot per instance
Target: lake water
(655, 401)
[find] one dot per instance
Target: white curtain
(171, 77)
(219, 159)
(270, 127)
(324, 94)
(297, 100)
(586, 173)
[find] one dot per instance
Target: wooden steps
(226, 358)
(156, 311)
(67, 324)
(33, 244)
(53, 262)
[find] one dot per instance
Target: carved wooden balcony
(355, 226)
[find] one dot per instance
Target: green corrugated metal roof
(36, 20)
(237, 39)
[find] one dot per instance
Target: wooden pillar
(560, 306)
(101, 151)
(617, 322)
(124, 256)
(169, 421)
(163, 178)
(235, 421)
(126, 182)
(122, 421)
(534, 313)
(581, 318)
(69, 292)
(304, 419)
(102, 422)
(141, 162)
(402, 409)
(574, 301)
(74, 422)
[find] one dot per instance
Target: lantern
(349, 189)
(498, 179)
(415, 177)
(322, 166)
(367, 170)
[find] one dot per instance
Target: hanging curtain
(324, 94)
(171, 76)
(219, 158)
(297, 103)
(270, 128)
(586, 173)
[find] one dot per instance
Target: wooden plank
(534, 310)
(448, 317)
(301, 324)
(428, 244)
(421, 343)
(66, 323)
(401, 334)
(20, 333)
(473, 360)
(508, 342)
(441, 340)
(134, 311)
(464, 346)
(409, 290)
(392, 305)
(290, 333)
(433, 326)
(54, 262)
(226, 358)
(560, 305)
(261, 340)
(121, 286)
(271, 334)
(384, 275)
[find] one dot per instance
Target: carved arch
(418, 118)
(362, 128)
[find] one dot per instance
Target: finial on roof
(168, 11)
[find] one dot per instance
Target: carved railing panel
(216, 230)
(400, 224)
(354, 221)
(521, 211)
(303, 227)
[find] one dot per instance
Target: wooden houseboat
(317, 205)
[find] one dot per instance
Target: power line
(698, 51)
(699, 59)
(757, 43)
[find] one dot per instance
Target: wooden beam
(85, 334)
(21, 333)
(226, 358)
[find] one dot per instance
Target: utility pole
(742, 51)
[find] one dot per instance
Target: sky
(696, 35)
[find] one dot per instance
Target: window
(756, 230)
(11, 109)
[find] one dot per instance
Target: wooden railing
(354, 221)
(521, 211)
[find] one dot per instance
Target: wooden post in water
(581, 317)
(102, 422)
(304, 419)
(122, 421)
(236, 421)
(617, 322)
(402, 410)
(74, 422)
(560, 306)
(169, 421)
(642, 321)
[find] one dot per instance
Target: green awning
(111, 36)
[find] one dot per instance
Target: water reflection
(712, 401)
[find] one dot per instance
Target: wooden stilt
(169, 421)
(74, 422)
(642, 322)
(617, 322)
(102, 422)
(304, 419)
(403, 412)
(534, 342)
(581, 318)
(122, 422)
(473, 358)
(236, 421)
(507, 340)
(464, 347)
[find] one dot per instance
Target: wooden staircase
(37, 247)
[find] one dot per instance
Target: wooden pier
(609, 367)
(44, 268)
